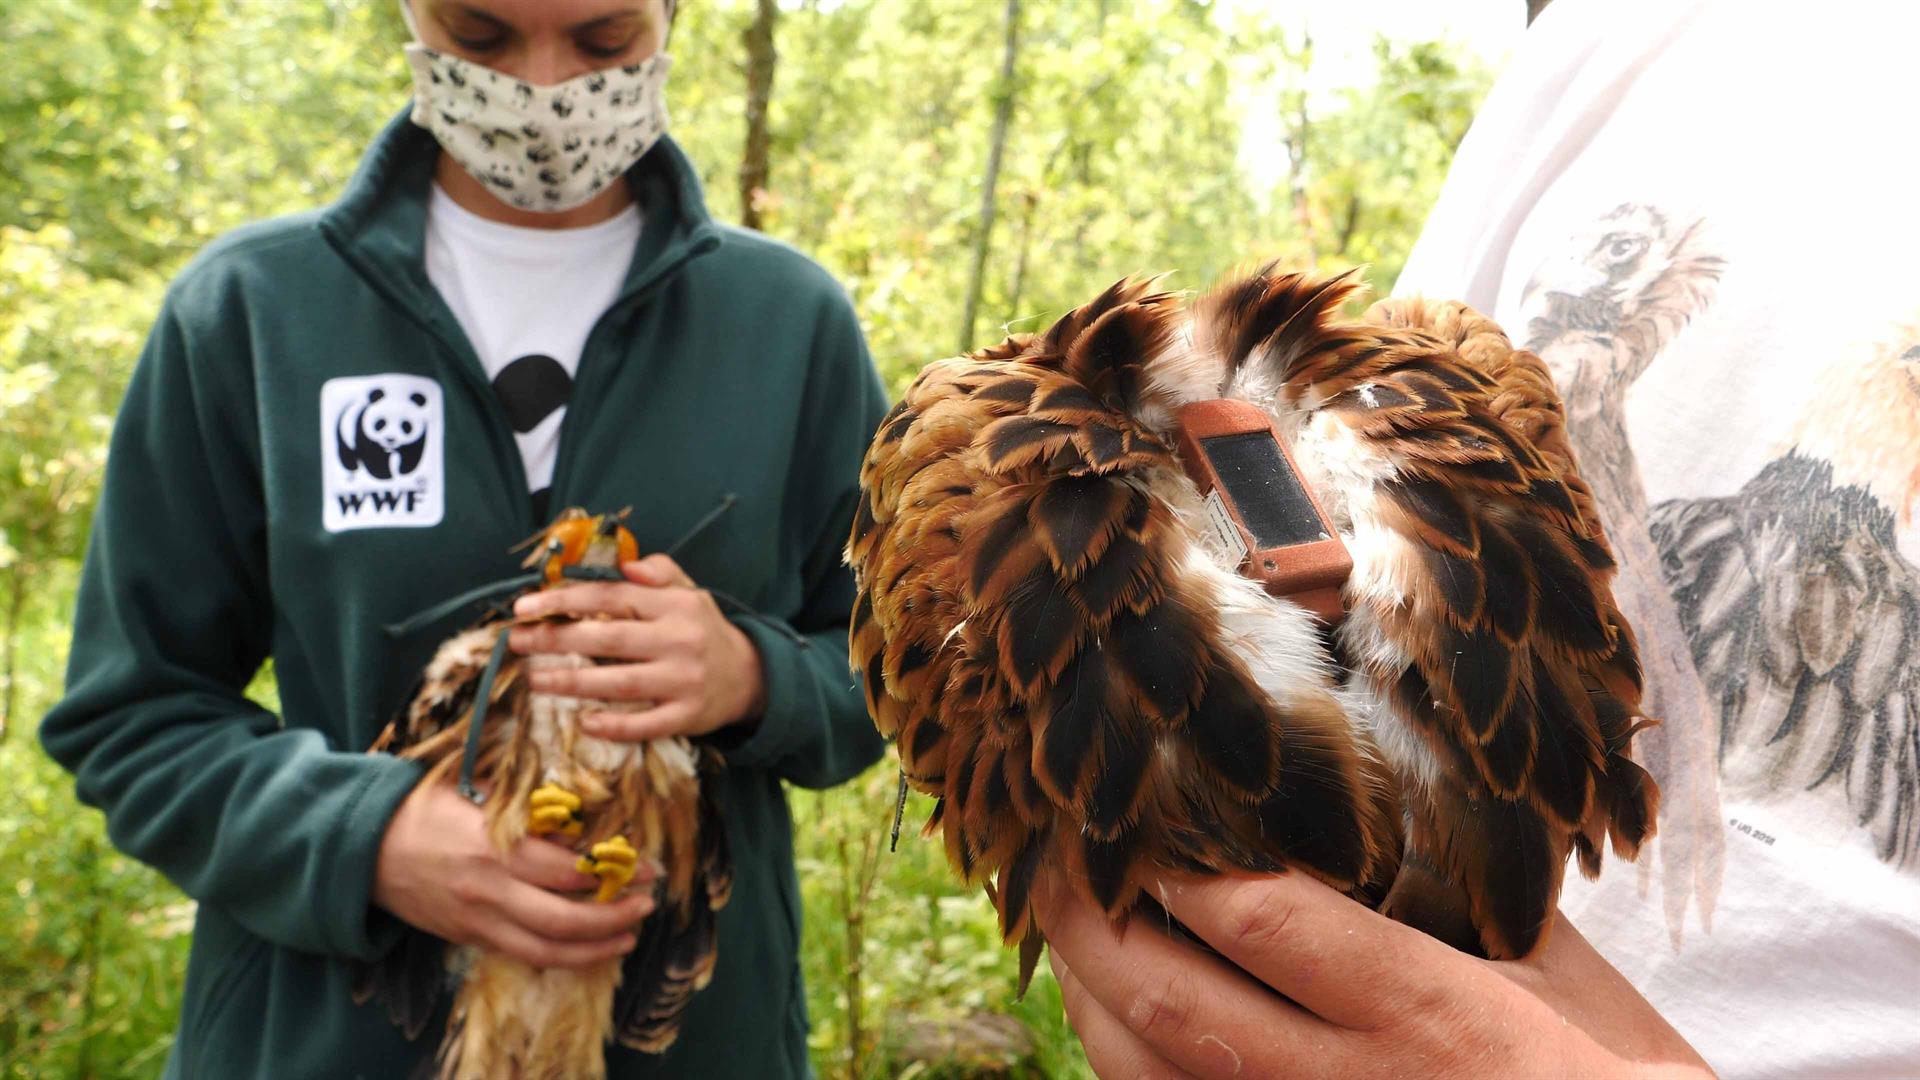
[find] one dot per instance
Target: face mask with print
(544, 148)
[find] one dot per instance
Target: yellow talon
(613, 862)
(555, 810)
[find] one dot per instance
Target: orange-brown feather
(508, 1018)
(1031, 638)
(1506, 649)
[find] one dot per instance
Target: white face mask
(547, 148)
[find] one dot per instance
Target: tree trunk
(1351, 226)
(16, 599)
(754, 171)
(1298, 137)
(1002, 115)
(1534, 8)
(1028, 203)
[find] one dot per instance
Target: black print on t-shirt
(532, 388)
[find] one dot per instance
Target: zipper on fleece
(622, 308)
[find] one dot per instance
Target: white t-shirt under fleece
(1705, 216)
(527, 299)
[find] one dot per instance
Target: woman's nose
(550, 62)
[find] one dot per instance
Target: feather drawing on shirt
(1803, 611)
(1598, 317)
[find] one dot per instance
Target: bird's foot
(554, 809)
(612, 861)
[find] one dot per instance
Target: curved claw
(612, 861)
(554, 809)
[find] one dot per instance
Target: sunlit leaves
(132, 132)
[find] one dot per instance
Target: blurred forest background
(963, 167)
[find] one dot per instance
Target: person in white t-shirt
(1702, 215)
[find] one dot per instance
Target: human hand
(1326, 987)
(438, 871)
(680, 667)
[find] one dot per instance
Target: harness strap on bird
(471, 752)
(445, 608)
(572, 572)
(899, 811)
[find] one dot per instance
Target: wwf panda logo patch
(386, 434)
(381, 455)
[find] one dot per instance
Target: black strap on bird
(445, 608)
(899, 811)
(471, 752)
(491, 589)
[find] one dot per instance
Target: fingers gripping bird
(1071, 665)
(474, 718)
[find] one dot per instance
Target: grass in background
(93, 945)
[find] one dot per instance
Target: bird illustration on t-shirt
(1803, 612)
(1598, 318)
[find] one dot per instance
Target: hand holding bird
(438, 871)
(671, 662)
(545, 981)
(1304, 982)
(1071, 662)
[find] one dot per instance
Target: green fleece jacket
(258, 504)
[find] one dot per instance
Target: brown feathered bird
(616, 803)
(1069, 662)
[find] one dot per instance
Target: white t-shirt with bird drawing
(1705, 216)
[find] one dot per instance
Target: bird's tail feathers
(1260, 326)
(678, 942)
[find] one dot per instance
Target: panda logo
(382, 458)
(385, 434)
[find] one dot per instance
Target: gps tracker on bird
(1257, 503)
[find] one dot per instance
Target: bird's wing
(1804, 620)
(1034, 635)
(433, 729)
(1522, 397)
(1479, 602)
(678, 944)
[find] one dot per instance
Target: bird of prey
(1803, 612)
(473, 719)
(1069, 662)
(1598, 318)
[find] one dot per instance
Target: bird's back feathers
(506, 1017)
(1077, 678)
(1038, 635)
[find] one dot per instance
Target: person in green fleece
(519, 304)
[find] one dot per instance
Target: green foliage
(1376, 161)
(93, 946)
(131, 133)
(927, 949)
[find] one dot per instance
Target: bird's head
(577, 538)
(1859, 416)
(1635, 273)
(1604, 269)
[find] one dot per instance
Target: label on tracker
(1225, 533)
